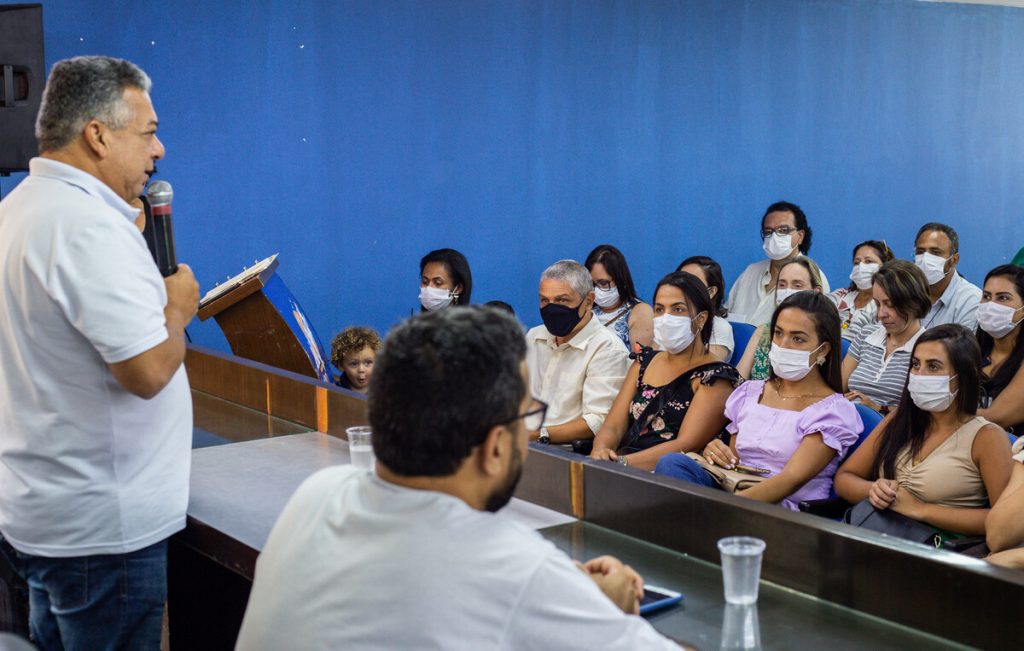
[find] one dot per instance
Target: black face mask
(559, 319)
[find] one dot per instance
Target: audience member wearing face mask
(673, 399)
(1000, 315)
(576, 364)
(445, 279)
(785, 234)
(616, 304)
(796, 425)
(934, 459)
(798, 275)
(868, 257)
(954, 300)
(875, 367)
(710, 273)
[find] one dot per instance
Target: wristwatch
(543, 436)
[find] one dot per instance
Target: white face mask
(996, 319)
(778, 247)
(783, 294)
(673, 333)
(606, 298)
(933, 266)
(434, 298)
(790, 364)
(931, 392)
(862, 274)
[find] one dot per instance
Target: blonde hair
(812, 269)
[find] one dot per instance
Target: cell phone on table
(656, 599)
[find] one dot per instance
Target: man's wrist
(543, 436)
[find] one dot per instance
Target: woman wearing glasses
(785, 234)
(616, 304)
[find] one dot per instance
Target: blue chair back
(871, 419)
(741, 334)
(845, 345)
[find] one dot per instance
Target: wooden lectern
(263, 322)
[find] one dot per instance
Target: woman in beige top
(933, 459)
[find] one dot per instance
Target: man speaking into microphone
(95, 407)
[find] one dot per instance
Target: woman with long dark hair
(616, 304)
(796, 425)
(1002, 348)
(673, 399)
(934, 459)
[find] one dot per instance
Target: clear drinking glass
(741, 568)
(360, 447)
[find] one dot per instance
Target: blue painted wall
(352, 137)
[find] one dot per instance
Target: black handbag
(864, 515)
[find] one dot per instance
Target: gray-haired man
(95, 407)
(576, 364)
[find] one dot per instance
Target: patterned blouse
(663, 425)
(617, 321)
(762, 367)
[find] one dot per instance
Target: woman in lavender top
(797, 424)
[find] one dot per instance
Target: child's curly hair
(352, 340)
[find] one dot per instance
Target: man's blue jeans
(101, 602)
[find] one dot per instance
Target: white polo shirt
(85, 466)
(355, 562)
(579, 378)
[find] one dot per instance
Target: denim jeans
(102, 602)
(683, 467)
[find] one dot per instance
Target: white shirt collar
(54, 169)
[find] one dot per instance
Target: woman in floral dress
(673, 399)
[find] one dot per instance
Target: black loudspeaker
(22, 78)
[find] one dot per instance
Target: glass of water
(741, 568)
(360, 447)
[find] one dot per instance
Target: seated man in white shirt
(785, 234)
(414, 556)
(576, 365)
(954, 299)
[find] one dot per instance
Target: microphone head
(159, 193)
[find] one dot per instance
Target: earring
(821, 361)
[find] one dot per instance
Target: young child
(353, 351)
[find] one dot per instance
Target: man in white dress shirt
(576, 364)
(414, 555)
(95, 407)
(785, 234)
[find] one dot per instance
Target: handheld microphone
(159, 232)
